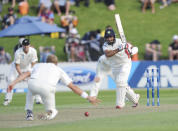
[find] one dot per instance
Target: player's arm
(65, 78)
(110, 53)
(18, 79)
(17, 66)
(33, 63)
(83, 94)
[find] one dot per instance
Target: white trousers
(46, 91)
(121, 75)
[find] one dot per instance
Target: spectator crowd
(79, 48)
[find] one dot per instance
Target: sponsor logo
(168, 76)
(80, 75)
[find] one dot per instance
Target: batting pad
(131, 95)
(120, 96)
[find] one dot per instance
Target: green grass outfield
(103, 117)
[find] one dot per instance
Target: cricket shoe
(137, 97)
(120, 107)
(6, 102)
(49, 115)
(29, 116)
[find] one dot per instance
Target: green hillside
(139, 28)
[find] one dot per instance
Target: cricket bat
(120, 28)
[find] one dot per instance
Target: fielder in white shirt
(43, 80)
(25, 58)
(118, 56)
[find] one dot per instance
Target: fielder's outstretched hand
(93, 100)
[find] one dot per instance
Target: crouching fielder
(118, 56)
(43, 80)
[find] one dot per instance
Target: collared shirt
(25, 60)
(49, 73)
(118, 58)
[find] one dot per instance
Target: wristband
(84, 95)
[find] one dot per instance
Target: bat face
(123, 38)
(120, 28)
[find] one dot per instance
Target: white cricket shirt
(118, 58)
(25, 60)
(49, 73)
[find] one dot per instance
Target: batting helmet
(109, 33)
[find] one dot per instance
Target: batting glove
(120, 47)
(128, 49)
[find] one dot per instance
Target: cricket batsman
(118, 56)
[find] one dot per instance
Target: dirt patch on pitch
(75, 114)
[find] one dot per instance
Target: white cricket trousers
(46, 91)
(121, 75)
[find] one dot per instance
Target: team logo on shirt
(80, 75)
